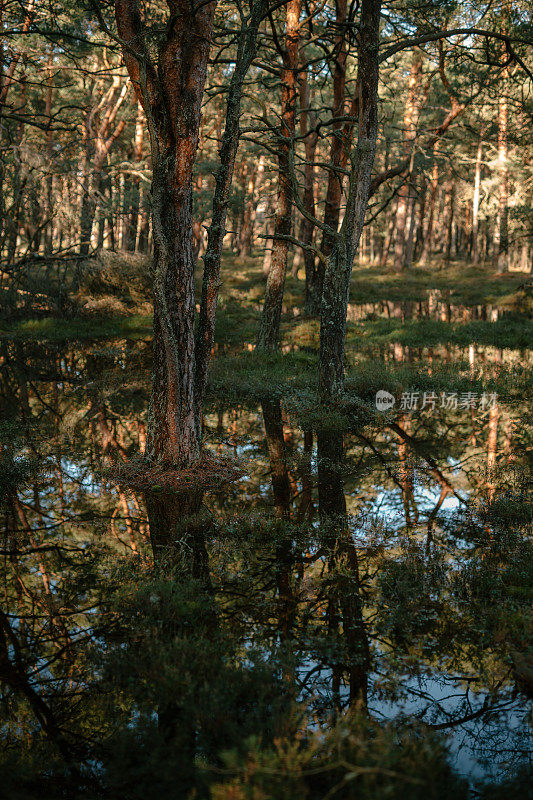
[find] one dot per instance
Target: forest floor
(114, 299)
(437, 501)
(416, 328)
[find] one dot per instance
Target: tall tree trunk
(427, 248)
(341, 132)
(476, 200)
(250, 204)
(409, 126)
(339, 145)
(501, 239)
(310, 138)
(135, 186)
(339, 268)
(171, 95)
(410, 242)
(268, 334)
(449, 211)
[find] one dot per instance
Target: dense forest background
(453, 165)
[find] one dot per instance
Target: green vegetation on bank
(113, 301)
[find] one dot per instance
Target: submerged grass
(510, 331)
(61, 329)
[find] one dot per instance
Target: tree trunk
(409, 126)
(501, 240)
(449, 210)
(475, 201)
(339, 268)
(427, 249)
(313, 289)
(268, 334)
(135, 186)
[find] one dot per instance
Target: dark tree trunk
(313, 287)
(339, 268)
(344, 601)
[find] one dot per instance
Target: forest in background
(453, 161)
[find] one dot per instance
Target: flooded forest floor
(348, 617)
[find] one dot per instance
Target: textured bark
(339, 268)
(409, 127)
(313, 289)
(501, 239)
(171, 93)
(475, 202)
(268, 334)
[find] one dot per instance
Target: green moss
(510, 331)
(59, 329)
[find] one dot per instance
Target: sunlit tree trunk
(501, 238)
(135, 184)
(339, 268)
(268, 334)
(476, 201)
(171, 96)
(409, 128)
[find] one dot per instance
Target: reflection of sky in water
(494, 739)
(483, 747)
(387, 506)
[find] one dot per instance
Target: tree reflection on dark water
(383, 571)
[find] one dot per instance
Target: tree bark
(501, 239)
(405, 193)
(268, 334)
(339, 267)
(171, 93)
(476, 200)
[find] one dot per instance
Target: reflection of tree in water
(344, 602)
(282, 607)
